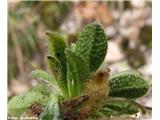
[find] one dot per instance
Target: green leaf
(19, 104)
(56, 45)
(56, 48)
(56, 70)
(43, 76)
(117, 107)
(92, 45)
(54, 67)
(52, 110)
(46, 78)
(79, 71)
(114, 108)
(57, 60)
(70, 80)
(57, 113)
(128, 84)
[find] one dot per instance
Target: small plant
(78, 85)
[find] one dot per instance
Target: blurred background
(128, 25)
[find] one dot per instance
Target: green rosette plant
(62, 90)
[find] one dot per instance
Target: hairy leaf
(57, 112)
(92, 45)
(55, 68)
(52, 110)
(128, 84)
(46, 78)
(19, 104)
(118, 108)
(79, 71)
(56, 48)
